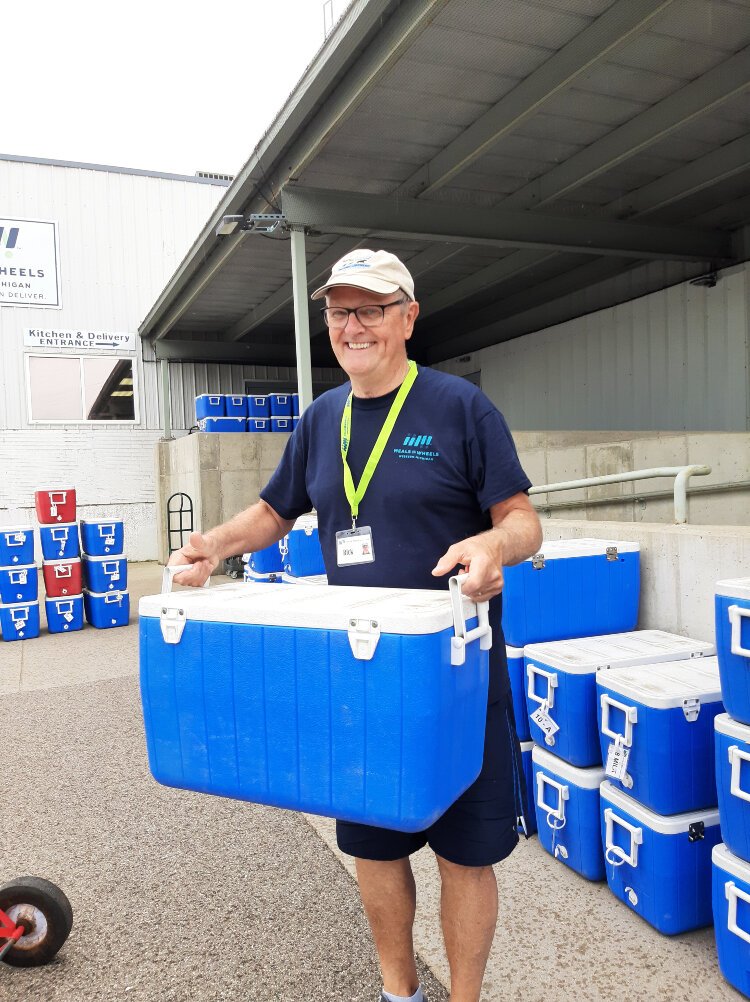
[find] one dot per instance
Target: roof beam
(345, 212)
(219, 351)
(612, 29)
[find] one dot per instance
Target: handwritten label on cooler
(543, 720)
(617, 760)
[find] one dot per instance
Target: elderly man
(413, 472)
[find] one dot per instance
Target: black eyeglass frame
(355, 311)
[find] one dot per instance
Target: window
(71, 388)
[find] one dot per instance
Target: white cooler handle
(563, 794)
(63, 571)
(169, 573)
(736, 615)
(14, 538)
(59, 534)
(551, 676)
(631, 717)
(482, 632)
(736, 758)
(733, 892)
(613, 853)
(18, 576)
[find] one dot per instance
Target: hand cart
(35, 920)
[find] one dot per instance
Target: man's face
(372, 353)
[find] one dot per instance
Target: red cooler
(62, 577)
(55, 504)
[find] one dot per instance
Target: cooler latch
(537, 561)
(364, 635)
(611, 553)
(691, 708)
(172, 622)
(696, 831)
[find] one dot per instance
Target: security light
(255, 222)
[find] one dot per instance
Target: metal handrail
(681, 474)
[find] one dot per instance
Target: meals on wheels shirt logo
(417, 447)
(28, 263)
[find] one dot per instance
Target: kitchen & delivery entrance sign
(29, 273)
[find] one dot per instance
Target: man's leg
(468, 911)
(389, 897)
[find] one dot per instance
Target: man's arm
(253, 529)
(516, 534)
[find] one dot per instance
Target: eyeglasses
(368, 316)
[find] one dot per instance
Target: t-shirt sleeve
(495, 466)
(286, 491)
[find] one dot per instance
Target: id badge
(354, 546)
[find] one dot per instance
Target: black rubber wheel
(47, 915)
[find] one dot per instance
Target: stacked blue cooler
(258, 412)
(281, 411)
(264, 566)
(105, 573)
(64, 612)
(731, 860)
(19, 584)
(300, 551)
(295, 409)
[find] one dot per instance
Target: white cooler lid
(736, 588)
(665, 685)
(513, 652)
(99, 521)
(60, 525)
(306, 522)
(18, 528)
(311, 579)
(617, 650)
(19, 605)
(589, 779)
(19, 567)
(672, 824)
(89, 558)
(725, 724)
(52, 490)
(326, 607)
(557, 549)
(722, 857)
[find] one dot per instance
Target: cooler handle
(631, 717)
(19, 617)
(111, 567)
(59, 534)
(462, 637)
(19, 576)
(736, 758)
(107, 530)
(214, 400)
(113, 596)
(733, 892)
(63, 571)
(14, 538)
(551, 676)
(736, 614)
(613, 853)
(563, 794)
(169, 573)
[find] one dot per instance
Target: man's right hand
(201, 555)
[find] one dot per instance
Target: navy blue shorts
(479, 829)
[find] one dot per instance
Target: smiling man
(412, 472)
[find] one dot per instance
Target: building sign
(37, 337)
(29, 273)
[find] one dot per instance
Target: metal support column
(166, 400)
(301, 318)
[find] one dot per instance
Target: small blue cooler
(64, 615)
(258, 405)
(235, 405)
(258, 424)
(223, 424)
(561, 684)
(281, 404)
(732, 615)
(659, 866)
(102, 537)
(102, 574)
(16, 545)
(657, 732)
(19, 584)
(731, 908)
(367, 704)
(567, 813)
(19, 620)
(295, 421)
(265, 561)
(573, 588)
(733, 783)
(528, 774)
(517, 675)
(59, 542)
(107, 610)
(282, 424)
(256, 577)
(209, 405)
(295, 404)
(300, 550)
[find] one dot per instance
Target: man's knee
(457, 872)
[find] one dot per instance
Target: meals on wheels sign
(28, 263)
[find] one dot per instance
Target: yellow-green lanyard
(355, 496)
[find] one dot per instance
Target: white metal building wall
(673, 360)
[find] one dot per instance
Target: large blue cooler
(731, 908)
(265, 561)
(282, 424)
(659, 866)
(102, 537)
(733, 783)
(281, 404)
(567, 813)
(209, 405)
(19, 584)
(16, 545)
(561, 684)
(19, 620)
(366, 704)
(64, 615)
(59, 542)
(572, 588)
(656, 725)
(295, 404)
(102, 574)
(258, 424)
(223, 424)
(235, 405)
(300, 549)
(517, 675)
(732, 615)
(106, 610)
(258, 406)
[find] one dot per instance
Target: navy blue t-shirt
(449, 458)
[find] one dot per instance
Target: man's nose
(356, 324)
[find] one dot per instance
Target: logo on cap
(361, 260)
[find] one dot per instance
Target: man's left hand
(482, 557)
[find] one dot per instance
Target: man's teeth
(360, 344)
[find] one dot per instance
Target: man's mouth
(357, 345)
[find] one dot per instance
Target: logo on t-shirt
(417, 447)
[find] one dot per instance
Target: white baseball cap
(376, 271)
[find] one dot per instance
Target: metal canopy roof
(530, 161)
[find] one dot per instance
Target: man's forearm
(253, 529)
(520, 536)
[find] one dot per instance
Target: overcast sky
(156, 84)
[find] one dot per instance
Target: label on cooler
(543, 720)
(617, 760)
